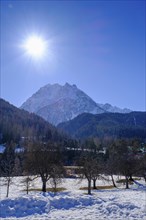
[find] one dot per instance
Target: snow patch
(73, 203)
(24, 206)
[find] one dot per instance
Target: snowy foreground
(74, 203)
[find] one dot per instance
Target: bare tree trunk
(44, 186)
(127, 185)
(27, 187)
(8, 186)
(55, 186)
(94, 184)
(113, 181)
(130, 178)
(89, 187)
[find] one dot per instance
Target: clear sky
(97, 45)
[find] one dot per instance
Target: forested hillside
(16, 123)
(115, 125)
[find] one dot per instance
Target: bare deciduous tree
(41, 160)
(27, 181)
(7, 166)
(57, 173)
(89, 169)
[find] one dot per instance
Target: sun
(35, 46)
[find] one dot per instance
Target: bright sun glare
(35, 46)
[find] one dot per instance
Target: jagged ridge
(56, 103)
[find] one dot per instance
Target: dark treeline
(113, 125)
(16, 123)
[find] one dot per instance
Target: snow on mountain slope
(56, 103)
(109, 108)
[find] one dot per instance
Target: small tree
(124, 159)
(56, 175)
(7, 166)
(39, 164)
(96, 171)
(89, 169)
(27, 180)
(111, 167)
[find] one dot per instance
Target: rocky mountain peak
(57, 103)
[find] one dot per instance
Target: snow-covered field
(74, 203)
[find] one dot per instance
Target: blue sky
(97, 45)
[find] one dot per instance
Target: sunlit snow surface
(73, 203)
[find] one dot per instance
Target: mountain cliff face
(56, 103)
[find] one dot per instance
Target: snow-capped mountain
(56, 103)
(109, 108)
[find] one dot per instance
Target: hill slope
(16, 123)
(128, 125)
